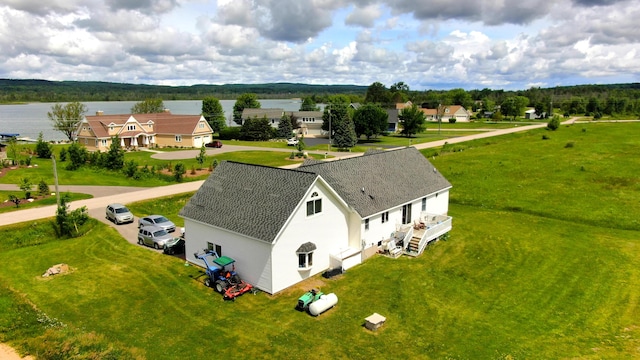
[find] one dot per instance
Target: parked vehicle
(119, 214)
(174, 246)
(214, 144)
(292, 142)
(307, 298)
(157, 220)
(153, 236)
(226, 282)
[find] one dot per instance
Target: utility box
(373, 322)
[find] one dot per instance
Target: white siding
(253, 261)
(328, 230)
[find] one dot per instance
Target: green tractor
(307, 298)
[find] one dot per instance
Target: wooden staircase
(413, 245)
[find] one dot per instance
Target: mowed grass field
(543, 262)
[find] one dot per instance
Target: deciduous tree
(377, 93)
(370, 120)
(308, 104)
(66, 118)
(212, 111)
(148, 106)
(411, 121)
(244, 101)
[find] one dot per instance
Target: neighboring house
(143, 130)
(393, 119)
(285, 225)
(309, 122)
(447, 112)
(400, 106)
(531, 114)
(273, 115)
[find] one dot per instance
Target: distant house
(285, 225)
(143, 130)
(309, 122)
(273, 115)
(447, 112)
(531, 114)
(393, 119)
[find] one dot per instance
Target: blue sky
(435, 44)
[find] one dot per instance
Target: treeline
(590, 100)
(13, 91)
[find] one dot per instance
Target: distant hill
(14, 90)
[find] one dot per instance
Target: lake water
(29, 120)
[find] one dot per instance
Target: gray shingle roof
(256, 201)
(252, 200)
(389, 179)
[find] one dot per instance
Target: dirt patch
(8, 203)
(188, 174)
(9, 353)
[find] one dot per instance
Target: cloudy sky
(428, 44)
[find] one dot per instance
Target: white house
(285, 225)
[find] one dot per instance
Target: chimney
(99, 113)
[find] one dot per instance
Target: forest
(591, 100)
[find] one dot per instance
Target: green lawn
(91, 176)
(523, 275)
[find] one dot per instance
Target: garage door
(197, 141)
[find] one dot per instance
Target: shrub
(452, 120)
(178, 171)
(130, 168)
(43, 149)
(63, 154)
(230, 133)
(43, 188)
(554, 123)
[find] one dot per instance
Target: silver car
(119, 214)
(153, 236)
(157, 220)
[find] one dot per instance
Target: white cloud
(469, 43)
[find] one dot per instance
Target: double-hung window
(314, 206)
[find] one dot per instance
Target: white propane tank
(323, 304)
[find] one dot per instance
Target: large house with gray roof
(285, 225)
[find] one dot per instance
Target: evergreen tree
(114, 158)
(202, 156)
(343, 131)
(43, 148)
(256, 130)
(284, 127)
